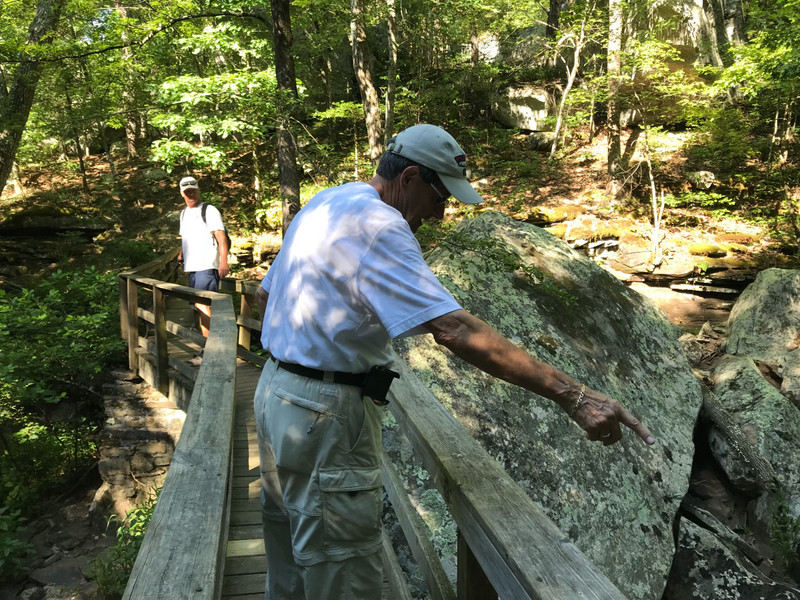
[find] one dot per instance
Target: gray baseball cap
(189, 183)
(431, 146)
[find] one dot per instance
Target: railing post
(471, 581)
(133, 325)
(245, 310)
(123, 307)
(162, 357)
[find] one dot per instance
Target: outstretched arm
(261, 297)
(222, 244)
(476, 342)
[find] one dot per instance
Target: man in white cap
(204, 245)
(350, 276)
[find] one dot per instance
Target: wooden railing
(507, 546)
(183, 551)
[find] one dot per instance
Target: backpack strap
(203, 208)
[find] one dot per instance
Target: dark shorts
(205, 280)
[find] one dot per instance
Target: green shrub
(55, 341)
(124, 253)
(785, 535)
(112, 571)
(15, 547)
(722, 143)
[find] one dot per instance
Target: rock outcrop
(765, 325)
(617, 504)
(137, 442)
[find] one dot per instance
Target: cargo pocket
(351, 505)
(297, 427)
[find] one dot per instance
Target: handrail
(507, 545)
(183, 551)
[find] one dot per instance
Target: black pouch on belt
(376, 384)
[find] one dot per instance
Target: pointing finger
(627, 419)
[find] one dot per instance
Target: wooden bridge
(204, 541)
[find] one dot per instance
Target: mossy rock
(40, 212)
(568, 212)
(721, 264)
(622, 225)
(559, 230)
(736, 248)
(738, 238)
(706, 249)
(544, 216)
(596, 230)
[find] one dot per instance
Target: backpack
(203, 208)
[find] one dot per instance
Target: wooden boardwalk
(245, 563)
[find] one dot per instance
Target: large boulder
(764, 324)
(524, 106)
(707, 566)
(770, 424)
(617, 504)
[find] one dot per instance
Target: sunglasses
(442, 197)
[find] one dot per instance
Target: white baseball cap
(431, 146)
(189, 183)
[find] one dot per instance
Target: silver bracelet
(578, 402)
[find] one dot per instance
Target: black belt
(356, 379)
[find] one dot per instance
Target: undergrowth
(112, 570)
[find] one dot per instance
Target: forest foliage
(192, 85)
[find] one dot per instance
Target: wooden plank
(133, 325)
(251, 583)
(250, 324)
(245, 310)
(123, 307)
(391, 570)
(248, 481)
(152, 266)
(241, 565)
(416, 534)
(245, 532)
(251, 547)
(252, 357)
(471, 582)
(246, 517)
(252, 492)
(183, 550)
(162, 356)
(177, 329)
(245, 504)
(521, 550)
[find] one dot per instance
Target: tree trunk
(78, 147)
(391, 78)
(615, 25)
(362, 65)
(16, 179)
(16, 105)
(553, 18)
(572, 73)
(132, 122)
(288, 177)
(109, 157)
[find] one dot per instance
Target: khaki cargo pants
(321, 494)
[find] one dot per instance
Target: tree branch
(139, 43)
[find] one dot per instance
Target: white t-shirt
(200, 251)
(350, 276)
